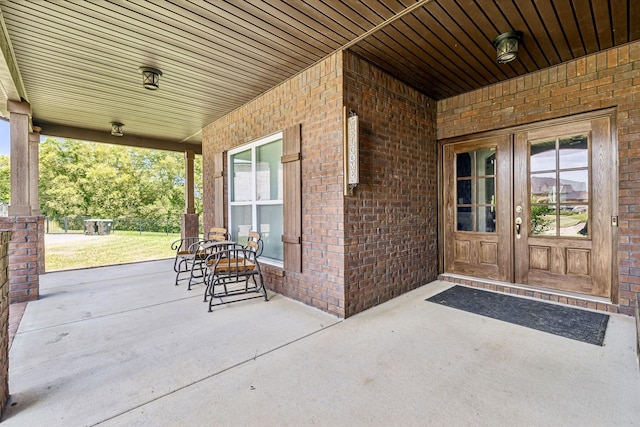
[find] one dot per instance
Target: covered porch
(122, 345)
(420, 76)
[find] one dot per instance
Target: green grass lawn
(64, 252)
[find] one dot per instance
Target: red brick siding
(608, 79)
(391, 221)
(5, 237)
(314, 99)
(26, 256)
(189, 225)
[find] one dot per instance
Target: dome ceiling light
(150, 77)
(506, 45)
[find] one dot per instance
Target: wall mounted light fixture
(150, 77)
(506, 45)
(351, 152)
(116, 129)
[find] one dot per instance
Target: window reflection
(242, 177)
(269, 171)
(270, 227)
(559, 187)
(543, 156)
(574, 187)
(485, 163)
(573, 152)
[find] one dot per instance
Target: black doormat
(581, 325)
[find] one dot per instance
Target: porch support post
(34, 170)
(189, 221)
(189, 187)
(20, 176)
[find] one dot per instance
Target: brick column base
(189, 225)
(5, 237)
(26, 256)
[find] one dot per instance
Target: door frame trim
(470, 137)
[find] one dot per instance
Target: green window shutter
(292, 203)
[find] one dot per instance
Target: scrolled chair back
(218, 234)
(254, 243)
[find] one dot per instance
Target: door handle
(518, 224)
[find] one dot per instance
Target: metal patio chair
(234, 272)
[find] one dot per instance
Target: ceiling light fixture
(150, 77)
(116, 129)
(507, 46)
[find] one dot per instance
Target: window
(559, 186)
(255, 194)
(475, 190)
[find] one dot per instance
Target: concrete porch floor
(122, 345)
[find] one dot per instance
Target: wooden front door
(533, 207)
(564, 199)
(477, 215)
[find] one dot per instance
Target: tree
(100, 180)
(5, 179)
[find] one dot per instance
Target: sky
(4, 137)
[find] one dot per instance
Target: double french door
(533, 207)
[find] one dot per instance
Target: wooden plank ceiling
(78, 60)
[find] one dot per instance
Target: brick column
(26, 256)
(20, 178)
(189, 225)
(5, 236)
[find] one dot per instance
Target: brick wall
(357, 251)
(312, 98)
(26, 256)
(607, 79)
(5, 236)
(391, 221)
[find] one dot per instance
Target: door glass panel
(543, 156)
(464, 192)
(485, 162)
(465, 219)
(486, 216)
(574, 186)
(573, 221)
(560, 194)
(486, 191)
(543, 220)
(543, 188)
(463, 164)
(475, 190)
(573, 152)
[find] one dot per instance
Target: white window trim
(254, 209)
